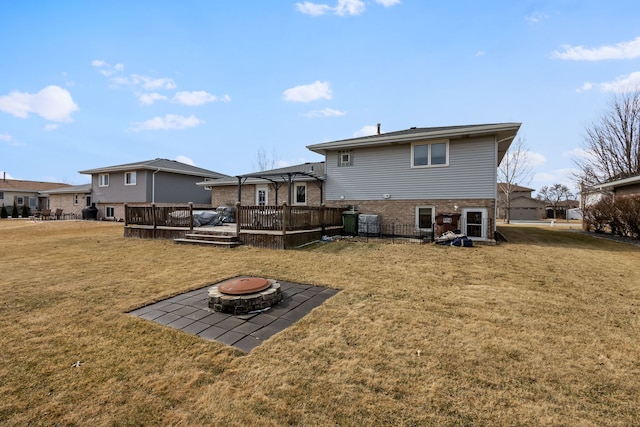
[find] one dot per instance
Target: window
(103, 180)
(87, 201)
(433, 154)
(424, 217)
(130, 178)
(109, 212)
(19, 200)
(301, 194)
(262, 195)
(345, 158)
(33, 202)
(75, 199)
(1, 195)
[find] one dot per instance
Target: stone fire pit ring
(243, 295)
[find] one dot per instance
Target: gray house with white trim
(421, 176)
(151, 181)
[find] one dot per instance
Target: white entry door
(262, 195)
(474, 223)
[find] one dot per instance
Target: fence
(393, 231)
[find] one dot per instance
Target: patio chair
(58, 214)
(46, 214)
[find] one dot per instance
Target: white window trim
(266, 194)
(76, 199)
(295, 194)
(106, 209)
(341, 162)
(433, 217)
(101, 180)
(132, 174)
(429, 144)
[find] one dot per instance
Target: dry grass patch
(540, 331)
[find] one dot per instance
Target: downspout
(153, 186)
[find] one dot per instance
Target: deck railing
(277, 218)
(287, 218)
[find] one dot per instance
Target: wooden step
(211, 239)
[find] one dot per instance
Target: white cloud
(342, 8)
(105, 68)
(349, 7)
(313, 9)
(50, 127)
(149, 83)
(150, 98)
(534, 159)
(480, 53)
(5, 137)
(536, 17)
(580, 153)
(366, 131)
(185, 160)
(170, 121)
(622, 50)
(327, 112)
(307, 93)
(388, 3)
(6, 175)
(623, 83)
(52, 103)
(585, 87)
(196, 98)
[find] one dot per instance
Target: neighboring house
(72, 199)
(622, 187)
(415, 175)
(298, 185)
(152, 181)
(563, 209)
(29, 193)
(523, 206)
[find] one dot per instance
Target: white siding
(376, 171)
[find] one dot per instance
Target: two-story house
(415, 175)
(151, 181)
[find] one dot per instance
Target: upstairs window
(103, 180)
(130, 178)
(345, 158)
(433, 154)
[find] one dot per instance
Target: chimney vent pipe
(379, 128)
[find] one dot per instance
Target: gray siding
(117, 192)
(169, 188)
(174, 188)
(471, 173)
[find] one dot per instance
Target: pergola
(278, 179)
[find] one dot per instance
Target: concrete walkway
(189, 312)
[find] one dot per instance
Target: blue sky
(87, 84)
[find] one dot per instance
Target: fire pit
(243, 295)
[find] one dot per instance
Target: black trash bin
(350, 222)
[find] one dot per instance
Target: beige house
(71, 199)
(522, 205)
(26, 193)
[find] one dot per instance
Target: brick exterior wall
(628, 190)
(228, 195)
(65, 202)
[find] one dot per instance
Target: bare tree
(515, 167)
(266, 161)
(612, 143)
(554, 194)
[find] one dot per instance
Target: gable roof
(18, 185)
(163, 165)
(514, 188)
(310, 171)
(504, 133)
(70, 189)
